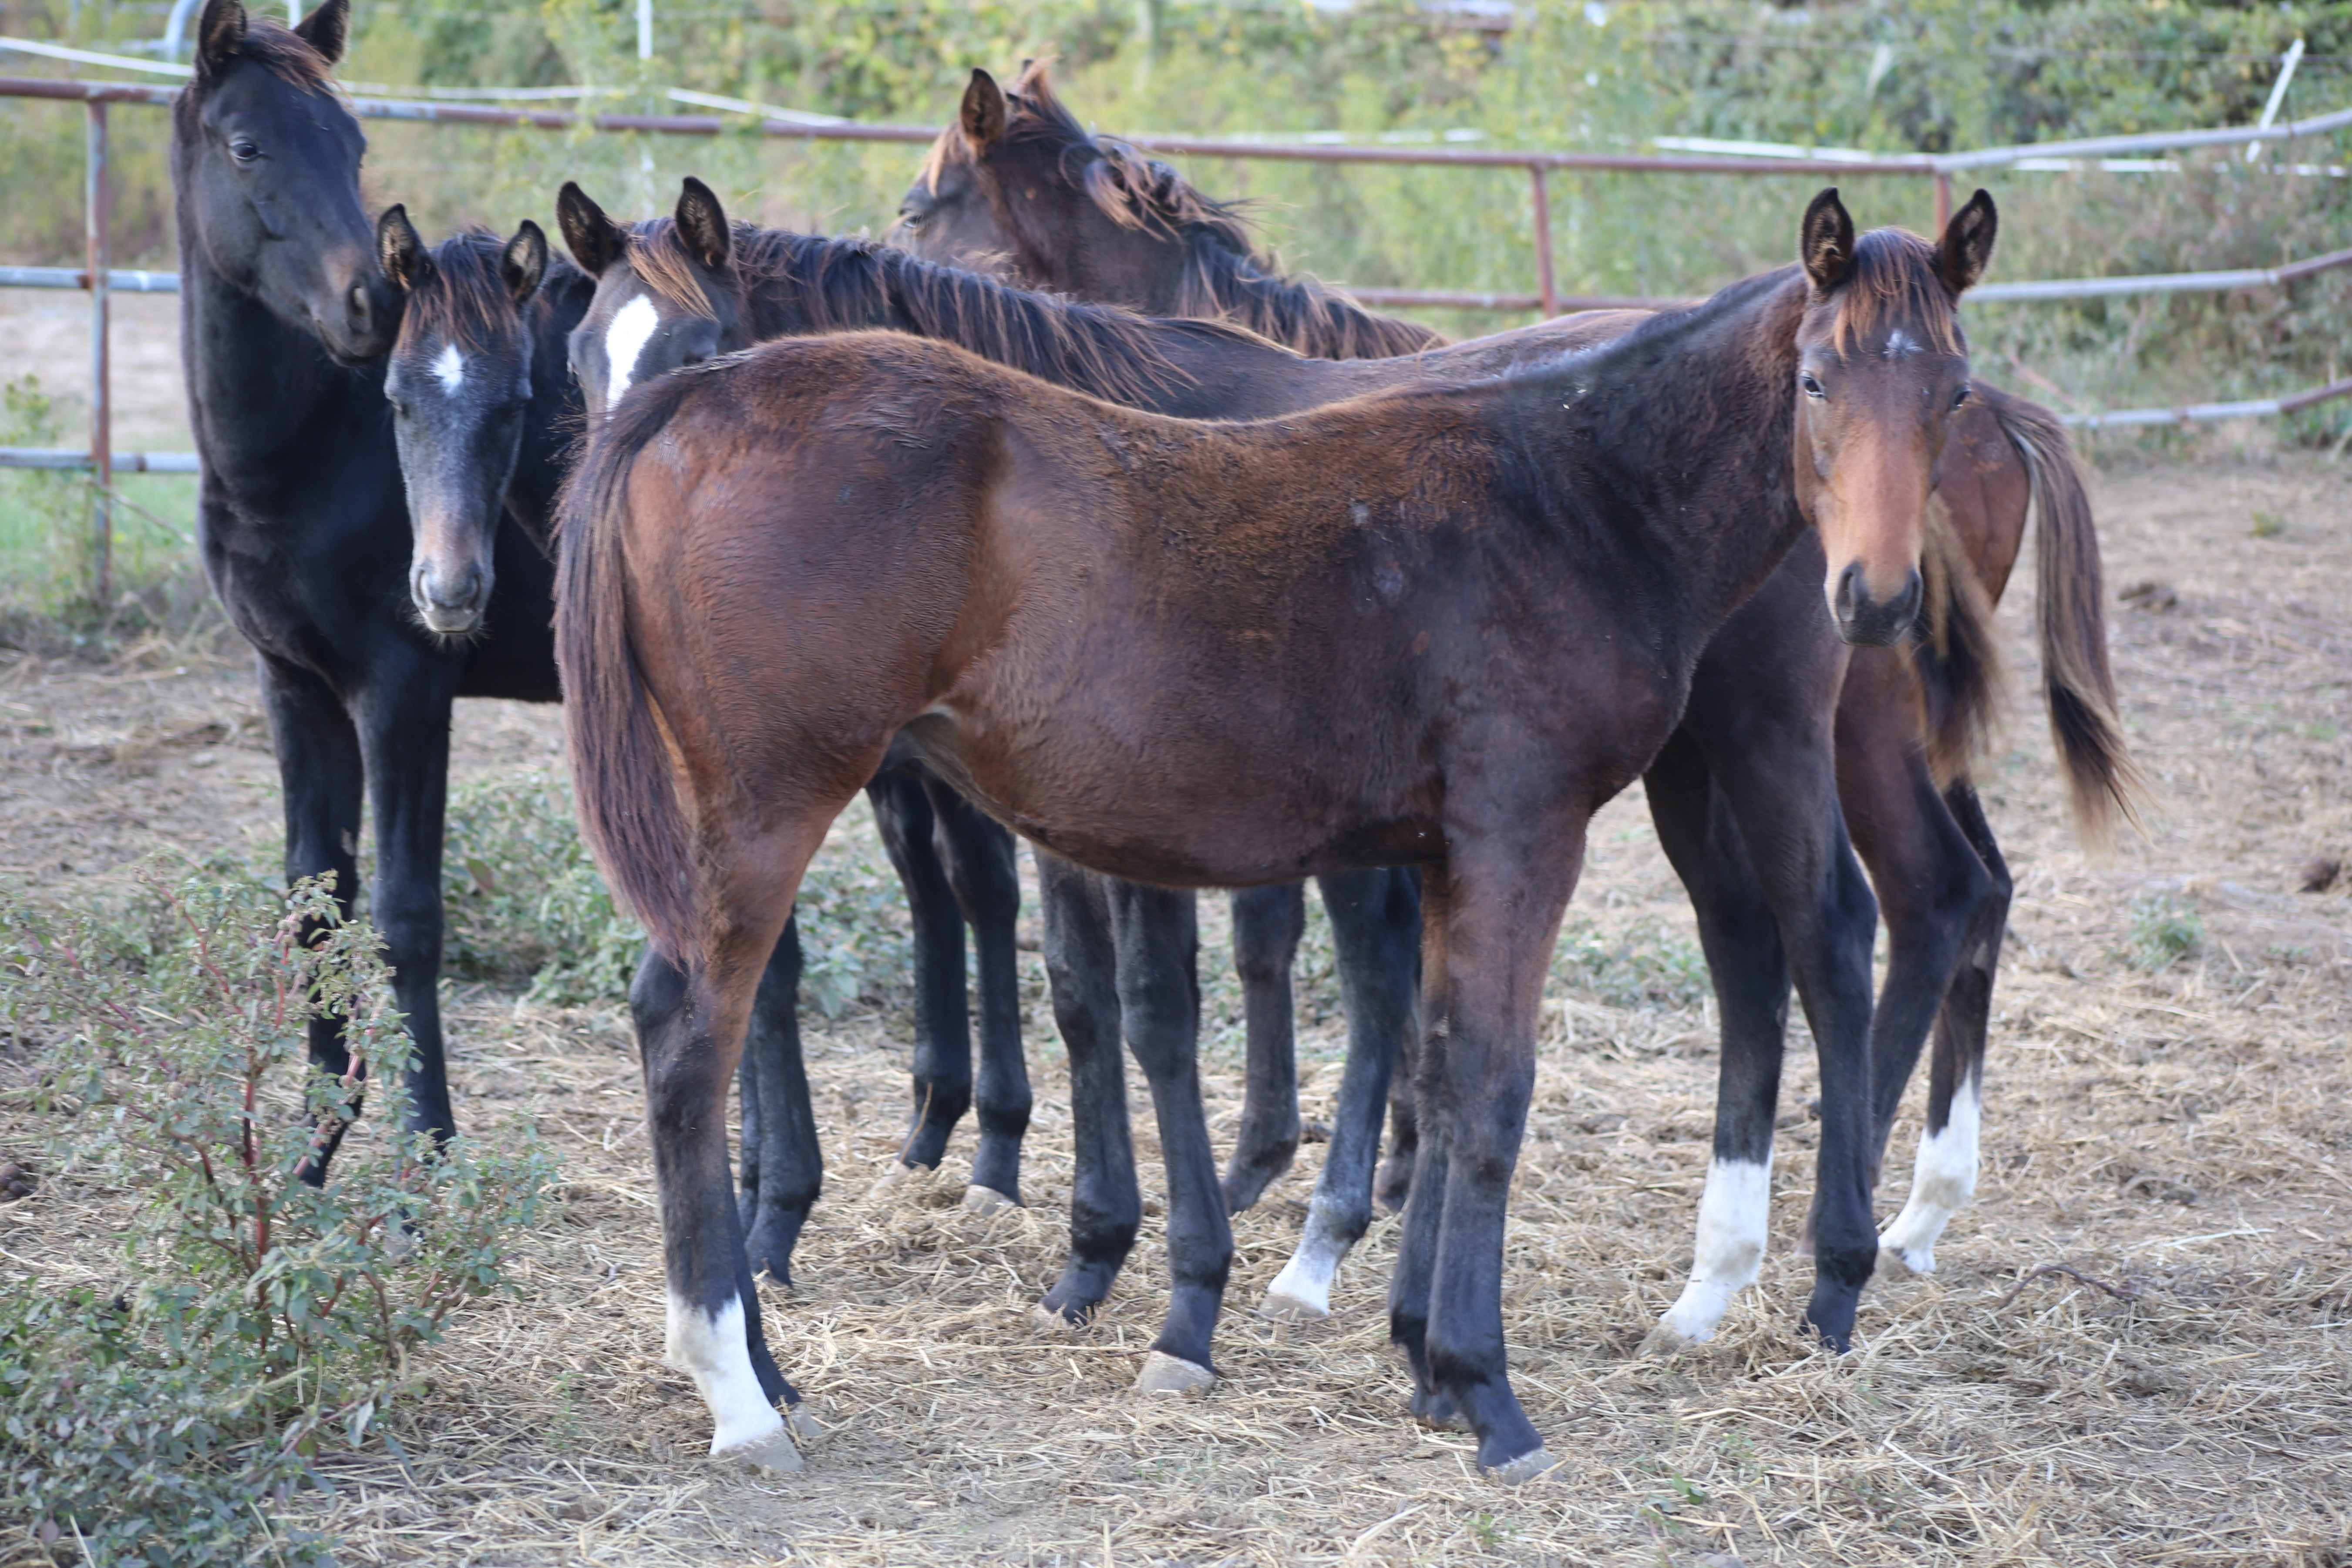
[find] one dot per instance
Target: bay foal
(1436, 627)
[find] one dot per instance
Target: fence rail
(96, 97)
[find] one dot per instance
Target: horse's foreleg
(403, 727)
(1081, 967)
(1267, 925)
(1376, 928)
(1395, 1176)
(784, 1164)
(942, 1086)
(690, 1034)
(319, 769)
(1507, 884)
(1944, 1177)
(1938, 894)
(1159, 992)
(978, 856)
(1746, 962)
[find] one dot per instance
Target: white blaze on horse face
(709, 1348)
(1943, 1180)
(633, 325)
(1732, 1214)
(1899, 341)
(451, 368)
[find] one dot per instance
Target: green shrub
(526, 904)
(273, 1317)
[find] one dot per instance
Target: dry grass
(2138, 1349)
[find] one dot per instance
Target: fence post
(1547, 285)
(1943, 204)
(101, 422)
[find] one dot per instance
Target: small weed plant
(2164, 931)
(270, 1320)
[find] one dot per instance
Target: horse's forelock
(1892, 284)
(284, 54)
(462, 298)
(657, 256)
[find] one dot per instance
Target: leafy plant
(274, 1318)
(2164, 931)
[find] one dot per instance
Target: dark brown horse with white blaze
(1437, 627)
(1018, 186)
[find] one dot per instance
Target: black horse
(300, 516)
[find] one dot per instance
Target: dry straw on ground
(2138, 1349)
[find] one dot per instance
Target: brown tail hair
(1963, 679)
(2103, 782)
(623, 778)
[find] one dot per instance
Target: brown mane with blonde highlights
(463, 298)
(1893, 281)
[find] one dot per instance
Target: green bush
(272, 1318)
(526, 904)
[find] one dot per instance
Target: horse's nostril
(1849, 582)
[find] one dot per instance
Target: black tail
(2103, 782)
(622, 776)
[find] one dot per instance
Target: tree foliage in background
(270, 1320)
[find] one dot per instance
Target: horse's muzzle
(1868, 622)
(451, 605)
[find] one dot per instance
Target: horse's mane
(840, 285)
(277, 48)
(1222, 277)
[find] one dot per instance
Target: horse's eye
(1960, 397)
(245, 149)
(1813, 387)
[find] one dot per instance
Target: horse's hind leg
(1267, 924)
(691, 1025)
(318, 766)
(942, 1029)
(979, 858)
(1376, 927)
(784, 1164)
(1081, 967)
(1944, 1177)
(1749, 970)
(1159, 998)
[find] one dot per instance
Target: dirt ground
(2137, 1350)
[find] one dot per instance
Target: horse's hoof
(1665, 1340)
(1537, 1461)
(1165, 1373)
(1438, 1412)
(801, 1424)
(1916, 1260)
(891, 1180)
(773, 1454)
(977, 1200)
(1050, 1321)
(1283, 1307)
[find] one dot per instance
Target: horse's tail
(1964, 680)
(623, 776)
(2103, 782)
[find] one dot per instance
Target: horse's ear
(594, 240)
(1965, 249)
(220, 34)
(398, 248)
(327, 29)
(984, 110)
(524, 262)
(702, 224)
(1826, 241)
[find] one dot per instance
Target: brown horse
(1435, 627)
(1018, 185)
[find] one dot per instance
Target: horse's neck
(262, 393)
(1684, 433)
(554, 417)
